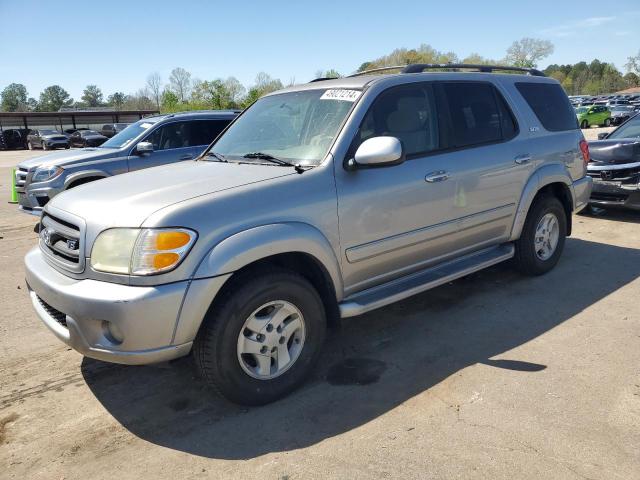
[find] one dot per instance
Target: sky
(116, 44)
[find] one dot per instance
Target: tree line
(182, 92)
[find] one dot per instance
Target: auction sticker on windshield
(341, 94)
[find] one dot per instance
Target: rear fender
(543, 176)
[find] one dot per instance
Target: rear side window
(203, 132)
(478, 114)
(550, 104)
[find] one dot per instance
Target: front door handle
(522, 159)
(438, 176)
(186, 157)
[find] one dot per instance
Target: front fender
(545, 175)
(73, 177)
(248, 246)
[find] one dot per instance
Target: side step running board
(418, 282)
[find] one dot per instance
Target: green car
(593, 115)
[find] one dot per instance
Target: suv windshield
(298, 127)
(48, 132)
(126, 136)
(631, 129)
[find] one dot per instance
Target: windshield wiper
(219, 157)
(278, 161)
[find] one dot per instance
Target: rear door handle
(522, 159)
(438, 176)
(186, 157)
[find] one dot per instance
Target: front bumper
(613, 194)
(85, 314)
(616, 185)
(32, 200)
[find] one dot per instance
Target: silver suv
(319, 202)
(148, 143)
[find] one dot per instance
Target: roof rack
(421, 67)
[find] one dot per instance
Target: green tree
(403, 56)
(14, 98)
(116, 100)
(632, 79)
(92, 96)
(53, 98)
(169, 100)
(527, 52)
(264, 84)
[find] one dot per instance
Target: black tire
(44, 146)
(29, 146)
(216, 347)
(607, 122)
(584, 124)
(526, 259)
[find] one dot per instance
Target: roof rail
(421, 67)
(374, 70)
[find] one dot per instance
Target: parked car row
(603, 116)
(50, 138)
(319, 202)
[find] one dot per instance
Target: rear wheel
(44, 146)
(584, 124)
(607, 122)
(262, 338)
(542, 239)
(29, 146)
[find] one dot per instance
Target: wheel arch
(550, 179)
(80, 178)
(294, 245)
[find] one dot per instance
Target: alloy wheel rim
(547, 236)
(271, 340)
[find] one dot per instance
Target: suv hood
(615, 151)
(128, 200)
(69, 157)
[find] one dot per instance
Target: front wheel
(44, 146)
(261, 339)
(29, 146)
(542, 239)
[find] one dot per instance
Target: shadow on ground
(376, 362)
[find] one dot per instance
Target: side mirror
(378, 152)
(144, 147)
(602, 136)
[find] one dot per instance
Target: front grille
(61, 239)
(57, 315)
(624, 175)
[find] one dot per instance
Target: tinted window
(408, 113)
(476, 115)
(203, 132)
(550, 104)
(171, 135)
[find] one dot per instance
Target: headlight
(43, 174)
(145, 251)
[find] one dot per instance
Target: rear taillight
(584, 148)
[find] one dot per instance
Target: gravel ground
(494, 376)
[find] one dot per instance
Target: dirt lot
(494, 376)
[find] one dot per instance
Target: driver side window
(407, 112)
(172, 135)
